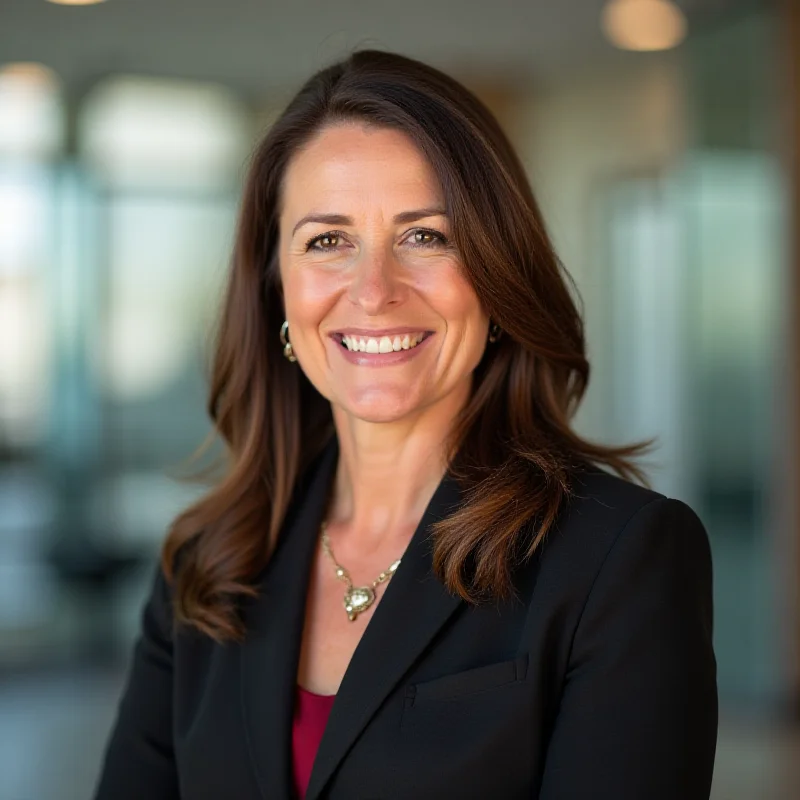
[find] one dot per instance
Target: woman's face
(382, 318)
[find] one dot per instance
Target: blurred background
(661, 139)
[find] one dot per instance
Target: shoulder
(605, 497)
(613, 531)
(603, 507)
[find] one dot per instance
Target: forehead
(354, 164)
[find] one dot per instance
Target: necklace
(356, 598)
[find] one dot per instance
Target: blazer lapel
(414, 606)
(274, 621)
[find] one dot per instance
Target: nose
(375, 283)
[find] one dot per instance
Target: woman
(415, 579)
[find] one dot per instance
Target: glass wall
(735, 212)
(677, 236)
(112, 258)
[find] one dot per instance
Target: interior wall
(788, 470)
(576, 136)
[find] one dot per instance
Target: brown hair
(512, 448)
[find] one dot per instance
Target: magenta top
(310, 717)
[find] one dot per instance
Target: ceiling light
(644, 24)
(31, 112)
(28, 75)
(75, 2)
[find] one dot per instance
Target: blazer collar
(414, 606)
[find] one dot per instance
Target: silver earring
(287, 345)
(495, 332)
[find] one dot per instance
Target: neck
(388, 472)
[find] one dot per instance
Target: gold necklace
(356, 598)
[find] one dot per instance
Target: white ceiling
(258, 45)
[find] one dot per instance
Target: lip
(376, 333)
(380, 359)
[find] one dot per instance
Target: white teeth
(385, 344)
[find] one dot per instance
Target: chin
(379, 406)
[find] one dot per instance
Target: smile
(383, 344)
(381, 350)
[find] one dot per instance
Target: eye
(324, 241)
(425, 237)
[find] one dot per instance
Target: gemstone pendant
(358, 599)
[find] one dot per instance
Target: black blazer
(599, 682)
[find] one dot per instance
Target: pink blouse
(310, 717)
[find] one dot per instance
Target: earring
(495, 332)
(287, 345)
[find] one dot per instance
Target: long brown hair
(512, 448)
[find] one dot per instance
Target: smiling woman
(415, 579)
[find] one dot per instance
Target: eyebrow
(342, 219)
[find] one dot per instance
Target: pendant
(358, 599)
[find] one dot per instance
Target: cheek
(457, 303)
(307, 297)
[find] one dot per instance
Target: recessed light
(644, 24)
(28, 73)
(75, 2)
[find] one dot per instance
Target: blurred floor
(757, 762)
(53, 728)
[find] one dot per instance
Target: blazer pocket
(468, 682)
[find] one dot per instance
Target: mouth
(355, 343)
